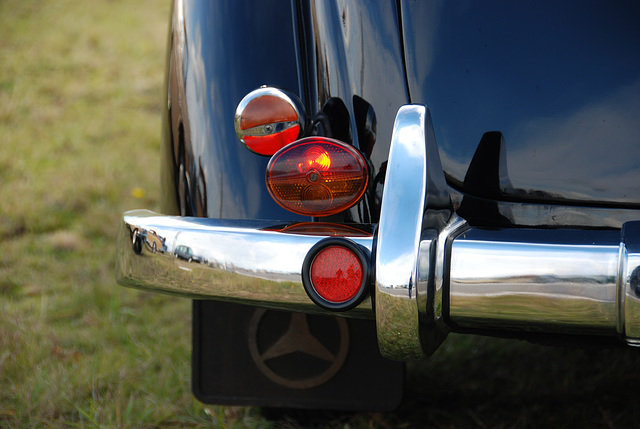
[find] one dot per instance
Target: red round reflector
(336, 274)
(317, 176)
(268, 119)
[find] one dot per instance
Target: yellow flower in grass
(138, 193)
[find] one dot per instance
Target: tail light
(335, 274)
(268, 119)
(317, 176)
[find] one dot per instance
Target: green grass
(80, 94)
(80, 104)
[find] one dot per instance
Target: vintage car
(363, 178)
(185, 253)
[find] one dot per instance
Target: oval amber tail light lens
(317, 176)
(268, 119)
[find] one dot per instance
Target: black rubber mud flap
(251, 356)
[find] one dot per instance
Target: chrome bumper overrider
(433, 273)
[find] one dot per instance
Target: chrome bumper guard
(433, 273)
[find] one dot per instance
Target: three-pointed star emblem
(299, 338)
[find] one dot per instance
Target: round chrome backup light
(268, 119)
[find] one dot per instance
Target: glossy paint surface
(355, 81)
(559, 80)
(560, 84)
(218, 54)
(340, 58)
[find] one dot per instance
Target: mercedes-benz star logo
(296, 337)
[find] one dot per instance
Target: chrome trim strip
(630, 267)
(432, 278)
(431, 335)
(621, 287)
(219, 259)
(446, 237)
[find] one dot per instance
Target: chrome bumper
(242, 261)
(433, 273)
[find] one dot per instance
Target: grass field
(80, 104)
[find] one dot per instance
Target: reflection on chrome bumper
(245, 261)
(537, 280)
(433, 273)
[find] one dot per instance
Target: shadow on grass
(489, 382)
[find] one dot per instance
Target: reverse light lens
(317, 176)
(268, 119)
(336, 274)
